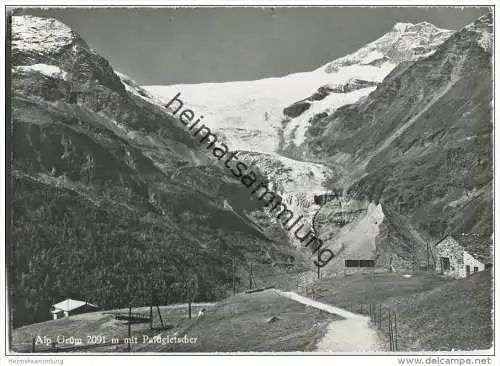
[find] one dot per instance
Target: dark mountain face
(421, 145)
(110, 196)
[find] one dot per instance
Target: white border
(230, 359)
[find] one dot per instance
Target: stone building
(453, 260)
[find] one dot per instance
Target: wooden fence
(383, 318)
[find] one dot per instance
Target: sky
(163, 46)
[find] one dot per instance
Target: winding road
(353, 334)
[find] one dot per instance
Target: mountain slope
(402, 126)
(267, 119)
(420, 144)
(110, 196)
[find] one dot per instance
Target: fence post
(159, 314)
(395, 334)
(129, 326)
(151, 309)
(390, 331)
(380, 316)
(33, 343)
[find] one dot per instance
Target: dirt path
(350, 335)
(353, 334)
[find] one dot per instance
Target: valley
(382, 154)
(365, 118)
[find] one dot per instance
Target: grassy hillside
(433, 312)
(239, 323)
(350, 291)
(457, 315)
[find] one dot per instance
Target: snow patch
(42, 35)
(402, 27)
(51, 71)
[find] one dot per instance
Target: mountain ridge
(268, 119)
(425, 133)
(111, 196)
(106, 178)
(299, 130)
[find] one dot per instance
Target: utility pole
(395, 334)
(151, 308)
(159, 314)
(129, 326)
(154, 302)
(234, 274)
(414, 256)
(427, 256)
(317, 265)
(379, 316)
(391, 340)
(189, 299)
(251, 275)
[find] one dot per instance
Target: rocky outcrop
(348, 86)
(404, 42)
(352, 85)
(296, 109)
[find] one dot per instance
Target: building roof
(70, 304)
(474, 244)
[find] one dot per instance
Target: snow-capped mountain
(402, 128)
(268, 118)
(251, 113)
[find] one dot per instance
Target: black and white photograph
(281, 179)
